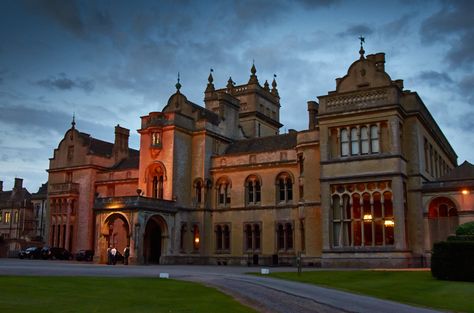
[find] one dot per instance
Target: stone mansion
(371, 181)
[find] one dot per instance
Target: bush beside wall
(453, 260)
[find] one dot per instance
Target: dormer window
(156, 139)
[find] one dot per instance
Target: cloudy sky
(113, 61)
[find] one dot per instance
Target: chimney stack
(18, 183)
(1, 186)
(313, 108)
(120, 149)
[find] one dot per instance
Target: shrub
(466, 229)
(453, 260)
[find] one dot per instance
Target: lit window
(362, 215)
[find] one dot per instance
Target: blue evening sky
(111, 62)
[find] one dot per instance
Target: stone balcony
(64, 188)
(135, 203)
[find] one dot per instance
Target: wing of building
(219, 184)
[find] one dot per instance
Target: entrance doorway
(153, 240)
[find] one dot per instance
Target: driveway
(262, 293)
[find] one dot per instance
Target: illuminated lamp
(389, 223)
(367, 217)
(196, 240)
(465, 192)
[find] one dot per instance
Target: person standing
(114, 254)
(126, 254)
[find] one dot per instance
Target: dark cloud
(64, 12)
(434, 78)
(64, 83)
(466, 86)
(401, 25)
(357, 30)
(315, 4)
(453, 24)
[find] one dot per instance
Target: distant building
(16, 217)
(220, 185)
(40, 206)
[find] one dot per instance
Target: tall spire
(178, 84)
(73, 123)
(210, 79)
(253, 78)
(361, 51)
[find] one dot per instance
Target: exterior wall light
(465, 192)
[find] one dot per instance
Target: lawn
(412, 287)
(92, 294)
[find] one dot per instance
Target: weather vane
(362, 40)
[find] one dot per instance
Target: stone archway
(117, 231)
(154, 239)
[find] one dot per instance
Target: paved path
(262, 293)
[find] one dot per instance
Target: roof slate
(263, 144)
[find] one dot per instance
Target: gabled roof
(263, 144)
(131, 162)
(460, 177)
(101, 147)
(465, 171)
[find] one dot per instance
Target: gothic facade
(219, 184)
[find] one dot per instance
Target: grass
(93, 294)
(412, 287)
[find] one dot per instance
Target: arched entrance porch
(117, 231)
(154, 242)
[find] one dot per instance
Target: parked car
(85, 255)
(30, 253)
(55, 253)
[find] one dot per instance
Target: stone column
(68, 217)
(399, 213)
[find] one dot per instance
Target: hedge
(453, 260)
(466, 229)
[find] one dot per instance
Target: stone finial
(253, 78)
(178, 84)
(274, 86)
(266, 86)
(210, 84)
(361, 51)
(73, 123)
(230, 84)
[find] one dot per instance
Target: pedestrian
(126, 254)
(114, 254)
(109, 255)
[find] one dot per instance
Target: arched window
(284, 234)
(157, 184)
(354, 141)
(198, 189)
(344, 142)
(442, 218)
(284, 188)
(223, 192)
(253, 190)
